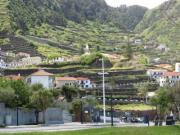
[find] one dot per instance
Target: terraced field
(5, 22)
(74, 37)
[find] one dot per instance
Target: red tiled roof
(171, 74)
(164, 65)
(41, 73)
(82, 78)
(66, 79)
(14, 77)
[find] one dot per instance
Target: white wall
(177, 67)
(46, 81)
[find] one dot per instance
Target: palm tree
(69, 92)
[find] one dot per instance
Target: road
(63, 127)
(50, 128)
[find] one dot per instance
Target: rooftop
(82, 78)
(66, 79)
(42, 73)
(171, 74)
(14, 77)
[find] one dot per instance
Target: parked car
(170, 120)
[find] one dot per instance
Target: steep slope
(63, 27)
(26, 14)
(4, 16)
(162, 23)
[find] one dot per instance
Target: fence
(9, 116)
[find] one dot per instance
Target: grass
(131, 107)
(174, 130)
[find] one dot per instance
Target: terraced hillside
(4, 17)
(17, 44)
(162, 25)
(75, 37)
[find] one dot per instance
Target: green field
(175, 130)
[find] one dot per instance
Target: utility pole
(103, 86)
(104, 98)
(112, 123)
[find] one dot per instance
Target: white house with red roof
(169, 78)
(72, 81)
(68, 81)
(41, 77)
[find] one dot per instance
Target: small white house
(3, 65)
(41, 77)
(138, 41)
(156, 73)
(169, 78)
(177, 67)
(84, 82)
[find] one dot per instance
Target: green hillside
(163, 25)
(55, 28)
(4, 16)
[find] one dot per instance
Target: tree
(69, 92)
(7, 96)
(41, 100)
(175, 94)
(129, 52)
(22, 91)
(97, 48)
(162, 101)
(36, 87)
(143, 89)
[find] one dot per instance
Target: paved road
(50, 128)
(63, 127)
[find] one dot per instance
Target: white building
(72, 81)
(84, 83)
(156, 73)
(41, 77)
(3, 65)
(138, 41)
(169, 78)
(65, 81)
(32, 61)
(177, 67)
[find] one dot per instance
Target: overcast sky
(146, 3)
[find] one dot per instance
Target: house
(84, 82)
(14, 77)
(163, 48)
(164, 66)
(32, 61)
(62, 81)
(177, 67)
(22, 54)
(3, 65)
(138, 41)
(41, 77)
(72, 81)
(156, 73)
(169, 78)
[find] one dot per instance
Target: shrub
(90, 59)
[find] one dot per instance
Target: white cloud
(146, 3)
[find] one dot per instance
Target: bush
(90, 59)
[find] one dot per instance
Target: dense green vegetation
(174, 130)
(27, 14)
(162, 25)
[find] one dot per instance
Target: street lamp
(103, 82)
(82, 109)
(17, 111)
